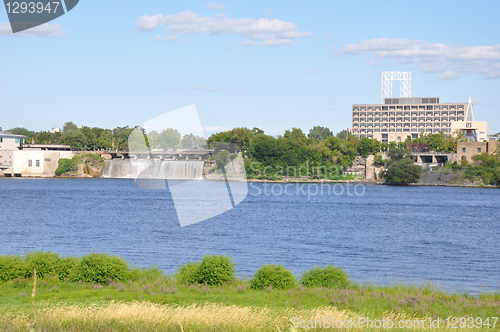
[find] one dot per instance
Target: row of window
(436, 118)
(408, 107)
(403, 130)
(420, 113)
(30, 163)
(406, 124)
(465, 150)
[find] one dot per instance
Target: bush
(44, 262)
(66, 165)
(403, 171)
(101, 268)
(329, 276)
(187, 273)
(275, 276)
(12, 267)
(215, 270)
(212, 270)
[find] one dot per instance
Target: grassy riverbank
(148, 300)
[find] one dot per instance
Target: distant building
(466, 150)
(55, 130)
(41, 160)
(8, 144)
(10, 141)
(399, 118)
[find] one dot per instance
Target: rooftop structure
(398, 118)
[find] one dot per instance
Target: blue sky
(268, 64)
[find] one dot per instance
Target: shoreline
(301, 181)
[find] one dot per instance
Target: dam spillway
(157, 169)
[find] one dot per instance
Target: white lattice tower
(404, 78)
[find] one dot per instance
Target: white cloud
(202, 88)
(449, 61)
(261, 32)
(214, 129)
(44, 30)
(215, 6)
(168, 38)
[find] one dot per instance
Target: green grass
(64, 305)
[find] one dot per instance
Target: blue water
(381, 234)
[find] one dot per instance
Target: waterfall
(159, 169)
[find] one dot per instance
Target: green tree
(74, 138)
(403, 171)
(70, 126)
(343, 134)
(319, 133)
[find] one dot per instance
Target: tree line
(96, 139)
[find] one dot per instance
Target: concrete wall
(6, 158)
(38, 163)
(466, 150)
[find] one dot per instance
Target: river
(449, 237)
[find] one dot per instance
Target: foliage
(101, 269)
(378, 161)
(403, 171)
(187, 273)
(212, 270)
(66, 165)
(329, 277)
(486, 166)
(368, 146)
(319, 133)
(275, 276)
(11, 267)
(215, 270)
(397, 154)
(45, 263)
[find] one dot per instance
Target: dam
(152, 168)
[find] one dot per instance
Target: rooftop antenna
(404, 78)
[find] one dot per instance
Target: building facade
(8, 144)
(399, 118)
(466, 150)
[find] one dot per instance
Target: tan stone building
(466, 150)
(399, 118)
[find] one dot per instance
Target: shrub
(187, 273)
(276, 276)
(66, 165)
(12, 267)
(215, 270)
(68, 267)
(44, 262)
(329, 276)
(212, 270)
(101, 268)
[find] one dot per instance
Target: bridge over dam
(174, 164)
(202, 154)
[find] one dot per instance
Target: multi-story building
(399, 118)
